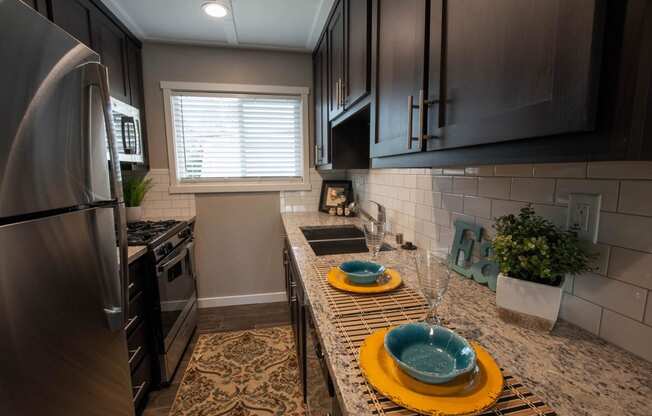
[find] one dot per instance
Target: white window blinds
(231, 137)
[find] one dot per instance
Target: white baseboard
(241, 299)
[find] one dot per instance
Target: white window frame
(212, 186)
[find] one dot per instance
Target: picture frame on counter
(334, 193)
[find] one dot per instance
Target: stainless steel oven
(177, 303)
(127, 127)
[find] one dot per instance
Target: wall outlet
(584, 215)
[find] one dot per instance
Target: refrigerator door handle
(117, 316)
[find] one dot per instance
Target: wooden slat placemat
(344, 304)
(356, 318)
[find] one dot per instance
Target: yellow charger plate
(338, 280)
(459, 397)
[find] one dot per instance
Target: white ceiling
(274, 24)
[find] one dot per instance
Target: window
(234, 138)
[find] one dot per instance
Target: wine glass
(374, 234)
(433, 274)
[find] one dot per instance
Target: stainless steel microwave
(126, 124)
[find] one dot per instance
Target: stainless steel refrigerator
(62, 282)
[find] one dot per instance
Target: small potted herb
(134, 190)
(534, 256)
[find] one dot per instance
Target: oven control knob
(184, 233)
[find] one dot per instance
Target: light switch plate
(584, 215)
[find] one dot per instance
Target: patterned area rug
(241, 373)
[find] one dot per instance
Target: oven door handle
(176, 259)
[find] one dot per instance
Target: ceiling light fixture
(215, 9)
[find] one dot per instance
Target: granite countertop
(573, 371)
(136, 252)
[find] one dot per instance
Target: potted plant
(134, 190)
(534, 257)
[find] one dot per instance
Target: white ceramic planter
(522, 299)
(134, 214)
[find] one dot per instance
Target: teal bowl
(362, 272)
(433, 355)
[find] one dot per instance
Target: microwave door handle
(124, 132)
(116, 187)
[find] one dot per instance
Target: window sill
(199, 188)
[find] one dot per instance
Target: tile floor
(228, 318)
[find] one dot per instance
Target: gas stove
(142, 233)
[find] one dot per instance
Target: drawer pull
(139, 391)
(133, 354)
(130, 323)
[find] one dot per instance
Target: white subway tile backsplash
(479, 171)
(533, 190)
(627, 333)
(465, 185)
(494, 187)
(452, 202)
(620, 170)
(608, 190)
(442, 184)
(477, 207)
(624, 252)
(556, 215)
(453, 171)
(581, 313)
(424, 182)
(501, 207)
(613, 294)
(560, 170)
(514, 170)
(626, 231)
(160, 204)
(631, 266)
(442, 217)
(636, 197)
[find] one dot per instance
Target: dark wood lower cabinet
(296, 300)
(139, 332)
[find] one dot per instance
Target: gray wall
(238, 235)
(239, 244)
(164, 62)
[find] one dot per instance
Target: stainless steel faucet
(381, 213)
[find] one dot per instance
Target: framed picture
(334, 193)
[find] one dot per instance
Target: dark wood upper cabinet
(75, 18)
(336, 42)
(321, 94)
(508, 69)
(111, 43)
(358, 62)
(398, 39)
(135, 75)
(40, 6)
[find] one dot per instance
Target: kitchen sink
(338, 239)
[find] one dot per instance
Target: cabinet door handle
(342, 98)
(421, 114)
(130, 323)
(410, 106)
(133, 354)
(337, 93)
